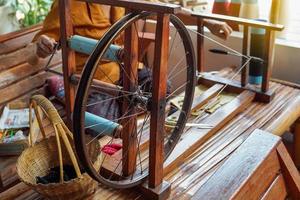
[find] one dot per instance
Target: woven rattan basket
(54, 151)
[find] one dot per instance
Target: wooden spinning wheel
(139, 102)
(149, 120)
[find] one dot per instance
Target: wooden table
(192, 177)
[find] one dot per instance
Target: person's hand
(220, 29)
(44, 46)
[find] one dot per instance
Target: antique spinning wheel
(144, 106)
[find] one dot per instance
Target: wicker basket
(37, 159)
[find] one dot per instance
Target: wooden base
(236, 87)
(160, 192)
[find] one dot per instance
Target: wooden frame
(155, 187)
(131, 48)
(264, 94)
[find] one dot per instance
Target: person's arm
(44, 47)
(218, 28)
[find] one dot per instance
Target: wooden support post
(246, 51)
(268, 58)
(156, 156)
(68, 55)
(129, 133)
(200, 45)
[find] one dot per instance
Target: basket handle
(39, 102)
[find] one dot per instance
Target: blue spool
(257, 50)
(100, 125)
(87, 45)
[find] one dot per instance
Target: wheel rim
(86, 81)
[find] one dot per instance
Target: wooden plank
(18, 39)
(286, 83)
(242, 21)
(7, 171)
(156, 150)
(17, 57)
(68, 56)
(289, 172)
(25, 70)
(240, 177)
(14, 191)
(26, 97)
(22, 56)
(196, 137)
(129, 131)
(202, 99)
(157, 7)
(30, 195)
(246, 51)
(22, 87)
(287, 117)
(235, 87)
(277, 190)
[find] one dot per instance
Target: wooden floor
(199, 167)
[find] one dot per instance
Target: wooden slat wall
(15, 73)
(19, 81)
(16, 40)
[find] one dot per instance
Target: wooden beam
(268, 58)
(243, 171)
(68, 55)
(246, 51)
(156, 157)
(242, 21)
(196, 137)
(101, 86)
(129, 132)
(235, 87)
(157, 7)
(200, 45)
(289, 172)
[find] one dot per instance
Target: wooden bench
(18, 81)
